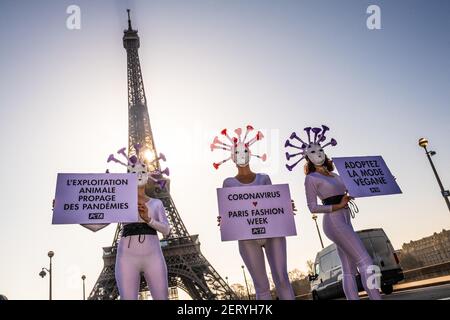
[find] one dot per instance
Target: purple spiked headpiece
(157, 176)
(302, 150)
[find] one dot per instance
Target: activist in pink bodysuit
(338, 228)
(141, 253)
(253, 256)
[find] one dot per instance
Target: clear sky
(207, 65)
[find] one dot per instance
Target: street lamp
(246, 284)
(314, 217)
(423, 142)
(83, 277)
(50, 254)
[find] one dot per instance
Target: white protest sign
(95, 198)
(366, 176)
(255, 212)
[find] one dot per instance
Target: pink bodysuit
(338, 228)
(252, 253)
(142, 253)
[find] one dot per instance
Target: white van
(326, 283)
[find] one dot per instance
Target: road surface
(439, 292)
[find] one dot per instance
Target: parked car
(326, 283)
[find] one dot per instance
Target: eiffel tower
(187, 268)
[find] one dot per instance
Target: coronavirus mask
(315, 154)
(135, 165)
(241, 155)
(141, 171)
(238, 147)
(313, 149)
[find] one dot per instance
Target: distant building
(430, 250)
(399, 253)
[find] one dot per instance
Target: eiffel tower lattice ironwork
(187, 268)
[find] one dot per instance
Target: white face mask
(315, 154)
(241, 155)
(141, 171)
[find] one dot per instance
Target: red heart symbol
(255, 203)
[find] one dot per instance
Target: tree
(301, 287)
(296, 275)
(299, 282)
(310, 266)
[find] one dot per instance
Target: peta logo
(261, 230)
(96, 216)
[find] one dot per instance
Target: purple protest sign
(366, 176)
(255, 212)
(95, 198)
